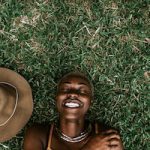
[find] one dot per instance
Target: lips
(72, 103)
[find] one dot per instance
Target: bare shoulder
(36, 135)
(37, 129)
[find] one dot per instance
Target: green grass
(107, 39)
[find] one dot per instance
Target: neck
(71, 127)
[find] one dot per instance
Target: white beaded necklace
(83, 135)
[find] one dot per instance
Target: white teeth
(72, 105)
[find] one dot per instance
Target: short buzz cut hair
(77, 73)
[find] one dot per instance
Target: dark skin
(77, 89)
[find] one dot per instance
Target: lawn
(108, 40)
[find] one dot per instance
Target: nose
(73, 94)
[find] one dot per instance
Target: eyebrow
(81, 83)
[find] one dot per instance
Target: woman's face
(73, 96)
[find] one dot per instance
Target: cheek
(59, 99)
(87, 103)
(87, 99)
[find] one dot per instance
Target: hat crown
(8, 97)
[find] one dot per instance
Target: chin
(72, 116)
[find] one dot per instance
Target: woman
(73, 99)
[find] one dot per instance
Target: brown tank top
(51, 134)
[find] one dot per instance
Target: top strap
(96, 128)
(50, 137)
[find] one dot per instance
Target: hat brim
(24, 107)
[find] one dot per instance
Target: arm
(32, 139)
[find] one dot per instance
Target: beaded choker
(83, 135)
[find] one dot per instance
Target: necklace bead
(83, 135)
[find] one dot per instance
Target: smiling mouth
(73, 103)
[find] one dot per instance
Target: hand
(108, 140)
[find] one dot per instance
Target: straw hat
(16, 103)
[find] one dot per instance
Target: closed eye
(64, 90)
(83, 91)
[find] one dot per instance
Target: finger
(112, 137)
(114, 148)
(114, 141)
(108, 132)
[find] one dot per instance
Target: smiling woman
(73, 96)
(73, 99)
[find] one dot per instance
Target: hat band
(17, 95)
